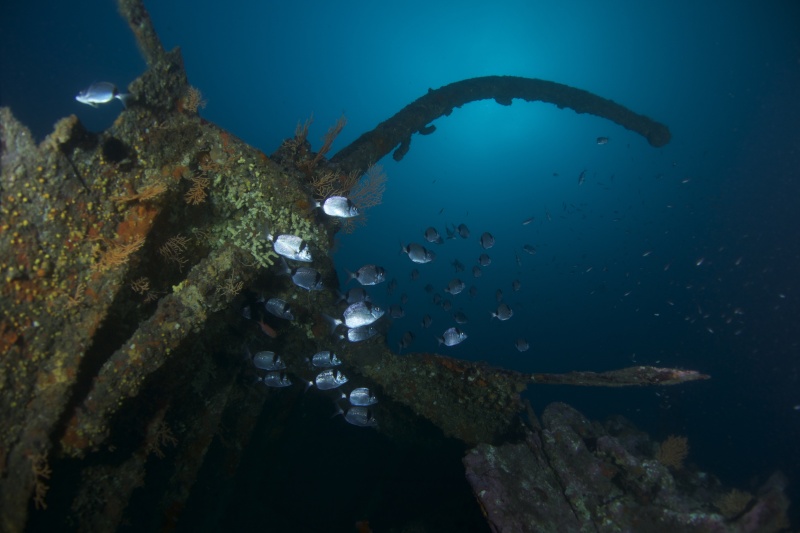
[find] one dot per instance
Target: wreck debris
(85, 366)
(417, 116)
(624, 377)
(572, 475)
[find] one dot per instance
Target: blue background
(617, 278)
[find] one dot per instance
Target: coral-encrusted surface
(572, 475)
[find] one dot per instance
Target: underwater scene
(419, 267)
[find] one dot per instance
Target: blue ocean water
(682, 256)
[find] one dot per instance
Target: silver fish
(291, 247)
(582, 177)
(460, 317)
(451, 233)
(447, 305)
(304, 277)
(527, 221)
(268, 361)
(487, 240)
(458, 265)
(498, 295)
(276, 379)
(516, 285)
(431, 235)
(484, 260)
(330, 379)
(522, 345)
(325, 359)
(476, 271)
(455, 286)
(279, 308)
(369, 275)
(463, 230)
(473, 290)
(361, 314)
(356, 294)
(417, 253)
(361, 333)
(101, 92)
(361, 416)
(530, 249)
(362, 396)
(426, 321)
(338, 206)
(452, 336)
(414, 274)
(603, 140)
(503, 312)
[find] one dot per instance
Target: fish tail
(124, 98)
(332, 322)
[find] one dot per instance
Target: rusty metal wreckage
(104, 341)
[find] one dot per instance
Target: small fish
(603, 140)
(498, 295)
(527, 221)
(487, 240)
(338, 206)
(452, 336)
(404, 298)
(368, 275)
(517, 259)
(458, 265)
(503, 312)
(405, 341)
(548, 216)
(476, 271)
(455, 286)
(362, 396)
(102, 92)
(463, 231)
(361, 333)
(396, 311)
(431, 235)
(329, 379)
(447, 305)
(414, 274)
(291, 247)
(522, 345)
(276, 379)
(473, 291)
(451, 233)
(304, 277)
(356, 294)
(530, 249)
(279, 308)
(460, 317)
(361, 416)
(429, 288)
(391, 286)
(325, 359)
(417, 253)
(356, 315)
(516, 285)
(268, 361)
(582, 178)
(426, 321)
(484, 260)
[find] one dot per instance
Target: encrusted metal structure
(126, 258)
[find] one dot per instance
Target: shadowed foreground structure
(127, 256)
